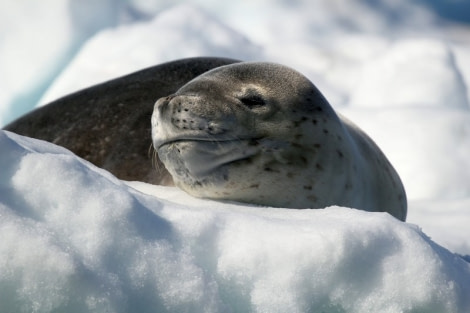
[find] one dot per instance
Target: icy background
(74, 238)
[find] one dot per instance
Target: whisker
(152, 153)
(149, 152)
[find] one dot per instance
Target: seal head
(263, 133)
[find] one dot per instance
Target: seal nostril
(162, 103)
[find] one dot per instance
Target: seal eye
(251, 101)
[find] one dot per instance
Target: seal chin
(204, 160)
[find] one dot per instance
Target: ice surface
(179, 32)
(395, 78)
(78, 239)
(37, 41)
(74, 238)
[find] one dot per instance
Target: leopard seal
(262, 133)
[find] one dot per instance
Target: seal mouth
(203, 157)
(207, 140)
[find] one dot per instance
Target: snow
(182, 32)
(402, 67)
(53, 30)
(105, 246)
(75, 238)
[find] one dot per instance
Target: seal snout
(190, 116)
(183, 117)
(163, 103)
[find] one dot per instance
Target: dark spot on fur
(317, 145)
(254, 186)
(340, 154)
(298, 136)
(348, 186)
(290, 175)
(319, 109)
(302, 119)
(308, 187)
(319, 167)
(270, 169)
(325, 131)
(253, 142)
(314, 121)
(312, 198)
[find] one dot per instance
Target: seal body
(263, 133)
(109, 124)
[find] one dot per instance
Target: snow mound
(395, 78)
(180, 32)
(38, 39)
(75, 238)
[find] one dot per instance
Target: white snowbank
(179, 32)
(78, 239)
(412, 72)
(38, 38)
